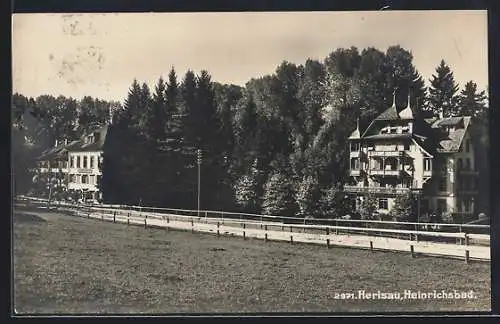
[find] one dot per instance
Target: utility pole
(199, 178)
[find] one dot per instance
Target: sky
(100, 54)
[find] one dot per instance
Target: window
(467, 145)
(355, 164)
(427, 164)
(92, 179)
(383, 204)
(85, 178)
(443, 184)
(98, 178)
(99, 162)
(77, 161)
(78, 179)
(393, 130)
(467, 164)
(72, 178)
(405, 129)
(72, 161)
(354, 147)
(467, 205)
(441, 205)
(460, 164)
(91, 162)
(84, 162)
(407, 146)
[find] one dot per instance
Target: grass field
(74, 265)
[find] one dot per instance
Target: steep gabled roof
(451, 141)
(94, 146)
(60, 151)
(52, 153)
(390, 113)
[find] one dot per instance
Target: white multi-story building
(398, 153)
(79, 163)
(84, 160)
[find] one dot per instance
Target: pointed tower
(407, 113)
(356, 134)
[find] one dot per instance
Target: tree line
(276, 145)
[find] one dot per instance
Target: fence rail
(450, 243)
(484, 229)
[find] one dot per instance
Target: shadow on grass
(28, 218)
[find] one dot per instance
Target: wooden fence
(451, 244)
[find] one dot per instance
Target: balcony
(376, 172)
(377, 190)
(386, 153)
(355, 154)
(427, 173)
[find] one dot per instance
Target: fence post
(265, 237)
(192, 226)
(291, 239)
(328, 243)
(412, 251)
(371, 246)
(218, 233)
(327, 229)
(168, 220)
(467, 256)
(291, 229)
(145, 224)
(114, 216)
(243, 235)
(466, 239)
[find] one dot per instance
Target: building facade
(432, 158)
(77, 163)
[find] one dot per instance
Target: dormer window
(384, 130)
(405, 129)
(393, 130)
(355, 147)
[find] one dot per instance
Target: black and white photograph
(329, 162)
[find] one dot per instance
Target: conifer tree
(471, 102)
(442, 93)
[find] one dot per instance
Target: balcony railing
(385, 172)
(377, 190)
(386, 153)
(355, 172)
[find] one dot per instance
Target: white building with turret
(398, 153)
